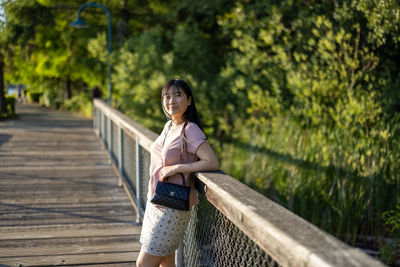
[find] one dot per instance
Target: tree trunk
(3, 104)
(123, 22)
(68, 87)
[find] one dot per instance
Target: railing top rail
(132, 128)
(286, 237)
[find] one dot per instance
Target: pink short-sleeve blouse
(170, 154)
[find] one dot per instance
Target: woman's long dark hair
(190, 114)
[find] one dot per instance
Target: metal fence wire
(145, 175)
(105, 132)
(129, 160)
(114, 142)
(95, 121)
(211, 239)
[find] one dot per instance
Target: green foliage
(140, 73)
(392, 223)
(80, 104)
(33, 97)
(10, 102)
(300, 99)
(382, 17)
(311, 90)
(43, 50)
(392, 219)
(388, 251)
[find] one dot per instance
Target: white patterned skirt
(162, 229)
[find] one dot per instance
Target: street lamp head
(79, 23)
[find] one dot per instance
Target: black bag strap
(166, 133)
(184, 149)
(182, 144)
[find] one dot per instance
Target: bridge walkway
(60, 203)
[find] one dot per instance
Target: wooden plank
(78, 259)
(65, 212)
(49, 156)
(38, 182)
(86, 174)
(44, 137)
(57, 212)
(38, 168)
(38, 221)
(124, 215)
(9, 163)
(14, 141)
(69, 245)
(73, 190)
(68, 230)
(51, 153)
(65, 196)
(43, 204)
(126, 264)
(50, 134)
(78, 195)
(66, 199)
(28, 147)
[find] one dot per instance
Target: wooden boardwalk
(60, 203)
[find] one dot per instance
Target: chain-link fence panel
(114, 143)
(95, 121)
(106, 132)
(213, 240)
(144, 174)
(129, 159)
(96, 118)
(101, 124)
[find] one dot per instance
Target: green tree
(299, 98)
(3, 104)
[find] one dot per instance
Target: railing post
(138, 181)
(120, 155)
(179, 255)
(94, 116)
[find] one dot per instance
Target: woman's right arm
(208, 161)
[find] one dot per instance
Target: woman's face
(175, 102)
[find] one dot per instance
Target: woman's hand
(168, 171)
(207, 162)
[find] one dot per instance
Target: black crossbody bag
(171, 195)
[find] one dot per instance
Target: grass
(339, 181)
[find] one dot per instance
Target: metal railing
(232, 225)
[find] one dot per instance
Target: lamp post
(79, 23)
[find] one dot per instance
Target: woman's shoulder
(193, 130)
(193, 126)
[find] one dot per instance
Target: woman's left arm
(207, 162)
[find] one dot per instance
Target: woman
(163, 227)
